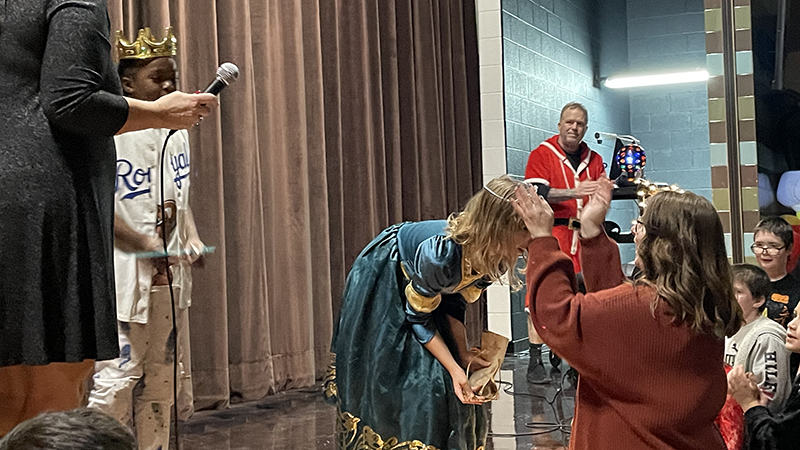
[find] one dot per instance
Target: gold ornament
(645, 189)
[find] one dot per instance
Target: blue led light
(631, 160)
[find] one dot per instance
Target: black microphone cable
(562, 424)
(226, 74)
(164, 241)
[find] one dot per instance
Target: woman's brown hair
(683, 257)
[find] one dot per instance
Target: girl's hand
(463, 390)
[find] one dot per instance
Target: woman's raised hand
(594, 213)
(534, 211)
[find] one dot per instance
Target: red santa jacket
(548, 164)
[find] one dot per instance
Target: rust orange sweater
(645, 383)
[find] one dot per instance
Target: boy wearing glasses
(772, 245)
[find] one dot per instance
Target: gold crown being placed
(646, 189)
(145, 46)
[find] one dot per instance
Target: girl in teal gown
(400, 352)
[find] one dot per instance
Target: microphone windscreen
(228, 72)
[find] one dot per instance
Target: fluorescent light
(622, 82)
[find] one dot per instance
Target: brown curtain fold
(347, 116)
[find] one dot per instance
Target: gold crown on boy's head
(146, 46)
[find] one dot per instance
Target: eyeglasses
(762, 249)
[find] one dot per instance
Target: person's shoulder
(80, 3)
(790, 279)
(429, 240)
(543, 151)
(428, 228)
(440, 248)
(787, 285)
(438, 261)
(765, 326)
(53, 6)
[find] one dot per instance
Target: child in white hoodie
(759, 345)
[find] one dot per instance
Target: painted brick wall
(547, 54)
(672, 122)
(549, 47)
(551, 50)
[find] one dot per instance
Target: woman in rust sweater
(649, 354)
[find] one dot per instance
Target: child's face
(745, 298)
(766, 261)
(152, 81)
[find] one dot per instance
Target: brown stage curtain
(349, 115)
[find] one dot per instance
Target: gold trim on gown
(347, 435)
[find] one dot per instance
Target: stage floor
(301, 419)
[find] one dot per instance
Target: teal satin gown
(391, 393)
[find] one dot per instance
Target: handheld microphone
(227, 73)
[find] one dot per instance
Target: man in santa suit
(565, 171)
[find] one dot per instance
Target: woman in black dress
(61, 105)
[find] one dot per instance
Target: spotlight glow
(624, 82)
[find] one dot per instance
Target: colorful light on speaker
(631, 160)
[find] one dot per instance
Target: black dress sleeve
(77, 70)
(766, 431)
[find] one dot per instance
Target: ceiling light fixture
(634, 81)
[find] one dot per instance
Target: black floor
(526, 416)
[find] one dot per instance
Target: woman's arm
(768, 431)
(76, 59)
(601, 264)
(556, 307)
(461, 386)
(602, 267)
(458, 333)
(175, 111)
(75, 68)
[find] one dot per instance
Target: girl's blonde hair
(487, 229)
(684, 258)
